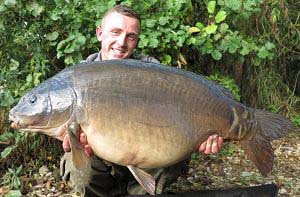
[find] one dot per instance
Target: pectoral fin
(80, 159)
(146, 180)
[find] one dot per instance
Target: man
(119, 35)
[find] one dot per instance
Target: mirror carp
(144, 115)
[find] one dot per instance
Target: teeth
(118, 50)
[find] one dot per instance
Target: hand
(213, 145)
(83, 141)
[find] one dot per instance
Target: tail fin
(258, 149)
(273, 125)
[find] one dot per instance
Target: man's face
(118, 35)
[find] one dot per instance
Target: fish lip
(15, 122)
(15, 125)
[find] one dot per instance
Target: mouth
(118, 51)
(15, 125)
(15, 122)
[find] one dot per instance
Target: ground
(228, 169)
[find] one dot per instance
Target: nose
(121, 40)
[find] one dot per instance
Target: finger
(66, 144)
(83, 139)
(215, 147)
(220, 142)
(202, 147)
(88, 150)
(208, 145)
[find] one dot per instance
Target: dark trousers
(107, 179)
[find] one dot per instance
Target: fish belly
(145, 135)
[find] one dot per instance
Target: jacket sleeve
(145, 58)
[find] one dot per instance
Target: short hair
(124, 10)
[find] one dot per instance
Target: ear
(99, 33)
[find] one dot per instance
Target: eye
(132, 37)
(115, 32)
(33, 99)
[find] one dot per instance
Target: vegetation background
(250, 46)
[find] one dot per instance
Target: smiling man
(119, 35)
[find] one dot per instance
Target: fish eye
(33, 99)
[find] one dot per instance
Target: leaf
(36, 77)
(246, 48)
(221, 15)
(13, 193)
(143, 41)
(6, 136)
(232, 48)
(2, 8)
(194, 30)
(217, 36)
(244, 51)
(69, 60)
(216, 55)
(191, 41)
(19, 169)
(275, 14)
(150, 23)
(199, 25)
(167, 59)
(52, 36)
(6, 99)
(211, 6)
(163, 21)
(269, 46)
(210, 29)
(35, 8)
(6, 151)
(81, 40)
(55, 16)
(193, 156)
(10, 3)
(153, 42)
(233, 4)
(13, 65)
(263, 52)
(223, 27)
(29, 78)
(69, 49)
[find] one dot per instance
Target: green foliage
(18, 139)
(227, 82)
(11, 178)
(296, 120)
(219, 35)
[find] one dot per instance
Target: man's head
(119, 32)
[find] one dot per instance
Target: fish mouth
(15, 122)
(15, 125)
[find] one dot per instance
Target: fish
(145, 115)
